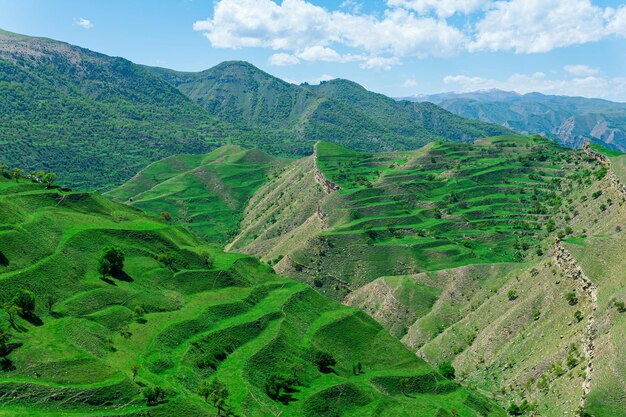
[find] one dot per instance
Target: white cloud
(410, 83)
(406, 28)
(586, 86)
(308, 31)
(323, 77)
(319, 53)
(84, 23)
(617, 21)
(581, 70)
(442, 8)
(379, 62)
(530, 26)
(283, 59)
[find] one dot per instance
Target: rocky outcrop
(604, 160)
(327, 185)
(323, 217)
(570, 267)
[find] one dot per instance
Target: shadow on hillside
(108, 281)
(6, 365)
(32, 319)
(4, 261)
(122, 276)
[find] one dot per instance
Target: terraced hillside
(206, 192)
(452, 249)
(175, 314)
(445, 205)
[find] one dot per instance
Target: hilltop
(177, 313)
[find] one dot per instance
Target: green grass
(206, 192)
(233, 319)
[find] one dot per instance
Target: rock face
(327, 185)
(570, 267)
(610, 175)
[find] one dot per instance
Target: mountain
(145, 337)
(568, 120)
(207, 192)
(94, 119)
(97, 120)
(339, 111)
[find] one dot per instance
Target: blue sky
(396, 47)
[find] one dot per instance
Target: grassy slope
(208, 191)
(235, 314)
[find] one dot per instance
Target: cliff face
(327, 185)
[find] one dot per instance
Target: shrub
(578, 315)
(447, 370)
(571, 298)
(512, 295)
(154, 395)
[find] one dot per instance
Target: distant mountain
(568, 120)
(339, 111)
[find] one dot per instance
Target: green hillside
(94, 119)
(178, 314)
(338, 111)
(206, 192)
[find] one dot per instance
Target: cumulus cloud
(410, 83)
(299, 29)
(442, 8)
(283, 59)
(581, 70)
(84, 23)
(530, 26)
(585, 86)
(307, 30)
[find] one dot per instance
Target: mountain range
(568, 120)
(96, 120)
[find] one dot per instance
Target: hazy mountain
(568, 120)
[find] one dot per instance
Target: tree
(276, 384)
(154, 395)
(3, 168)
(104, 267)
(25, 300)
(296, 369)
(49, 178)
(447, 370)
(111, 262)
(324, 361)
(4, 339)
(50, 303)
(17, 173)
(216, 392)
(512, 295)
(12, 312)
(135, 371)
(139, 311)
